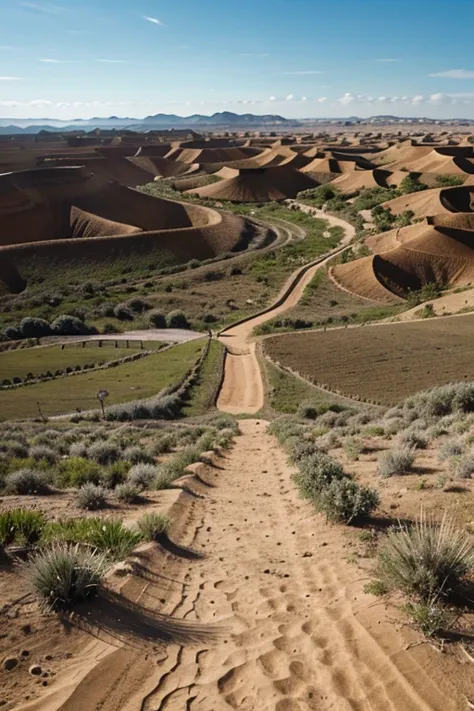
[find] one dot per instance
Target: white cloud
(46, 8)
(9, 78)
(272, 98)
(50, 60)
(418, 99)
(153, 20)
(347, 99)
(387, 61)
(455, 74)
(290, 97)
(322, 99)
(303, 72)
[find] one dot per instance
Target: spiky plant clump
(396, 461)
(77, 471)
(27, 482)
(426, 559)
(64, 575)
(128, 493)
(142, 476)
(78, 449)
(111, 536)
(344, 501)
(91, 497)
(429, 617)
(21, 526)
(152, 525)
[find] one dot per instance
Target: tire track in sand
(303, 635)
(242, 386)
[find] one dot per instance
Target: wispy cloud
(455, 74)
(9, 78)
(303, 72)
(44, 7)
(388, 60)
(153, 20)
(53, 60)
(112, 61)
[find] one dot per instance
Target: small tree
(32, 327)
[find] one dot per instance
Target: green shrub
(32, 327)
(111, 536)
(142, 476)
(76, 471)
(66, 325)
(451, 448)
(21, 526)
(463, 466)
(41, 451)
(115, 474)
(157, 319)
(344, 501)
(64, 575)
(162, 445)
(78, 449)
(103, 453)
(396, 462)
(413, 438)
(152, 525)
(137, 455)
(425, 559)
(91, 497)
(429, 617)
(353, 448)
(449, 181)
(128, 493)
(27, 482)
(177, 319)
(316, 473)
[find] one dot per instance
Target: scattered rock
(307, 554)
(35, 670)
(48, 657)
(25, 652)
(267, 571)
(10, 663)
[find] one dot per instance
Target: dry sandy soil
(242, 389)
(270, 616)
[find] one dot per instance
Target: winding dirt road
(242, 387)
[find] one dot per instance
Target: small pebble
(35, 670)
(10, 663)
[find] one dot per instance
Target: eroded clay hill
(438, 250)
(68, 214)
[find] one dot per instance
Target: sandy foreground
(260, 607)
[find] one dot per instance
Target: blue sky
(298, 58)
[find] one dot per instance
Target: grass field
(39, 360)
(383, 363)
(324, 304)
(131, 381)
(288, 392)
(203, 394)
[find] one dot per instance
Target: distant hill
(225, 119)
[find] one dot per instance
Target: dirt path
(297, 631)
(242, 388)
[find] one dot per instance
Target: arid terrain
(236, 401)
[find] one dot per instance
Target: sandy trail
(299, 634)
(242, 388)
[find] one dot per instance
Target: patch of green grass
(287, 392)
(131, 381)
(40, 360)
(204, 392)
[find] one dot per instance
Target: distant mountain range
(225, 119)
